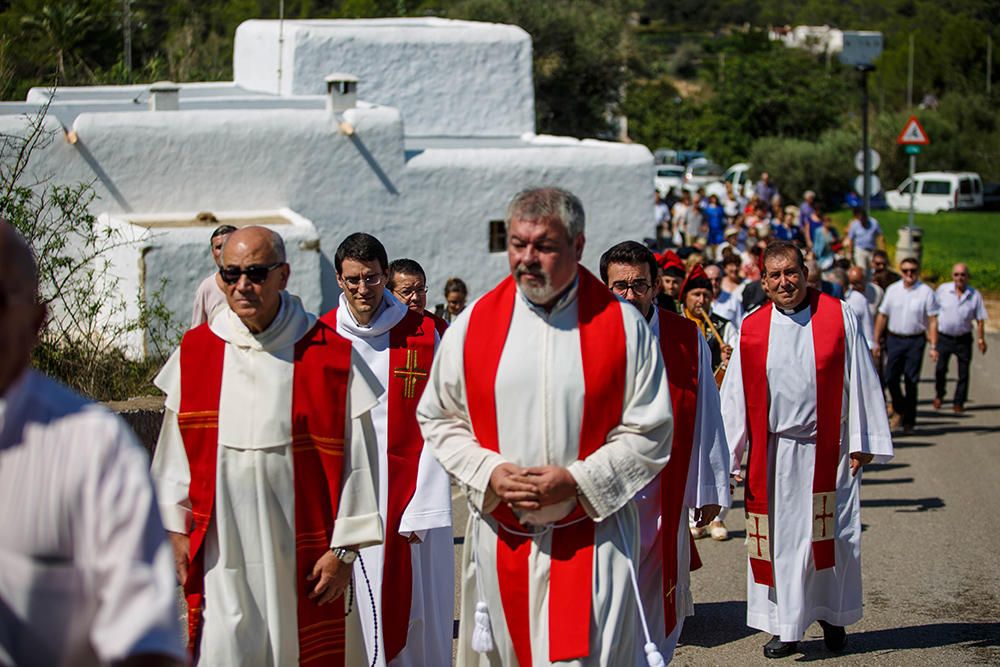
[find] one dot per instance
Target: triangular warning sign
(913, 134)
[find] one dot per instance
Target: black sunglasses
(255, 274)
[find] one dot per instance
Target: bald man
(857, 299)
(264, 468)
(961, 308)
(85, 571)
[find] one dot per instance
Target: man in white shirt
(211, 295)
(961, 305)
(85, 570)
(857, 299)
(909, 312)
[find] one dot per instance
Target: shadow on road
(869, 481)
(911, 504)
(933, 635)
(878, 467)
(715, 624)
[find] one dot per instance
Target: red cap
(695, 278)
(670, 261)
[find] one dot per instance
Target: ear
(286, 270)
(578, 244)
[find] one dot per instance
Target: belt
(905, 336)
(961, 335)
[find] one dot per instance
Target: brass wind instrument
(720, 372)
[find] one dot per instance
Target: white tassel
(653, 656)
(482, 633)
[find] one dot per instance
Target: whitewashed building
(418, 131)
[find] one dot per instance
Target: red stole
(603, 353)
(679, 339)
(411, 351)
(319, 395)
(827, 322)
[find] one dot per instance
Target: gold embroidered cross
(410, 374)
(823, 516)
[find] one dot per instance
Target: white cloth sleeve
(430, 506)
(444, 421)
(358, 523)
(734, 411)
(708, 474)
(170, 469)
(638, 448)
(132, 563)
(868, 425)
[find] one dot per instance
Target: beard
(536, 293)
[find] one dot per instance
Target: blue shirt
(716, 218)
(862, 237)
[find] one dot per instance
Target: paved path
(930, 551)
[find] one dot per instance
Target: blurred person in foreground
(696, 477)
(85, 570)
(961, 307)
(549, 406)
(264, 469)
(802, 393)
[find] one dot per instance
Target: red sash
(679, 339)
(602, 349)
(828, 344)
(319, 395)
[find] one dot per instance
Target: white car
(700, 174)
(937, 191)
(669, 177)
(739, 176)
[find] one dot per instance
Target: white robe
(250, 613)
(539, 411)
(428, 516)
(707, 484)
(86, 575)
(802, 594)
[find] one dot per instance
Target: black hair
(629, 252)
(409, 267)
(222, 230)
(361, 247)
(787, 248)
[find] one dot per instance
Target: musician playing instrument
(721, 335)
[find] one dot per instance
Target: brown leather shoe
(958, 409)
(936, 403)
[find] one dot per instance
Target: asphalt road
(930, 550)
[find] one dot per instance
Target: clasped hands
(532, 488)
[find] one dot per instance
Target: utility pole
(867, 159)
(989, 62)
(127, 34)
(909, 78)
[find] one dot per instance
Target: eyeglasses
(371, 280)
(408, 292)
(907, 271)
(639, 287)
(254, 273)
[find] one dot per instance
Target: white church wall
(453, 78)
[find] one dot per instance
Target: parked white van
(938, 191)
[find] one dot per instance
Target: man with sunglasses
(211, 294)
(909, 313)
(961, 305)
(411, 575)
(696, 477)
(263, 469)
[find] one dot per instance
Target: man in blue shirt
(862, 238)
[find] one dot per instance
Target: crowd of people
(596, 425)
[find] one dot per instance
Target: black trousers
(905, 356)
(961, 347)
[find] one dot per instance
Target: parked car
(739, 175)
(664, 156)
(936, 191)
(700, 173)
(687, 157)
(669, 178)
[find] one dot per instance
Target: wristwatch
(345, 555)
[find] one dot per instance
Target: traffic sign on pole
(913, 134)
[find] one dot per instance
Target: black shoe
(834, 636)
(779, 649)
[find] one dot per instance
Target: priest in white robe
(548, 404)
(264, 469)
(411, 575)
(802, 384)
(86, 574)
(700, 481)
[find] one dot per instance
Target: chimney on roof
(341, 91)
(164, 96)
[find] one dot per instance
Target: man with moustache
(548, 404)
(802, 392)
(696, 477)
